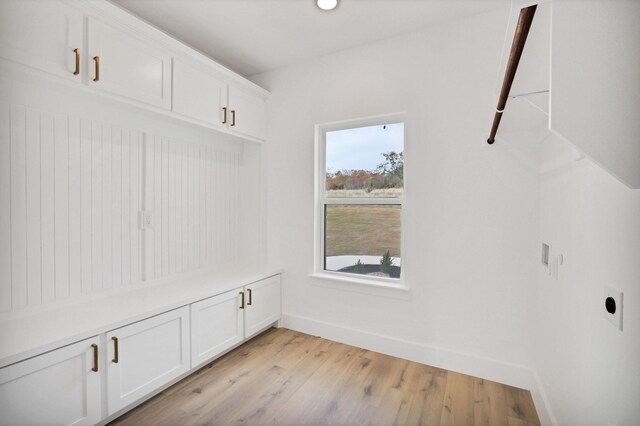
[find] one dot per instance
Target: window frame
(321, 200)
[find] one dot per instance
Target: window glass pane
(363, 239)
(365, 161)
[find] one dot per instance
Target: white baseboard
(542, 402)
(486, 368)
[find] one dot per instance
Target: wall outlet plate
(545, 257)
(145, 220)
(612, 304)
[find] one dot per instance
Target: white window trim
(320, 200)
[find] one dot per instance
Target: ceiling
(253, 36)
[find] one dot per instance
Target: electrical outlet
(612, 306)
(145, 220)
(545, 257)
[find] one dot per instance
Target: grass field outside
(362, 230)
(361, 193)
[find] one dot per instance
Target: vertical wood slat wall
(70, 193)
(192, 189)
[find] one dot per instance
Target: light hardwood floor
(283, 377)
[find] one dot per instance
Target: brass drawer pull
(233, 117)
(250, 299)
(242, 300)
(97, 61)
(224, 115)
(115, 350)
(95, 357)
(77, 70)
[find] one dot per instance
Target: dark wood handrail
(519, 39)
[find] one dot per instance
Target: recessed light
(327, 4)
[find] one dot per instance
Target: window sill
(341, 281)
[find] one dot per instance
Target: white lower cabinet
(57, 388)
(145, 355)
(67, 386)
(217, 324)
(221, 322)
(263, 305)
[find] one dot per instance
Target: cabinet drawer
(57, 388)
(145, 355)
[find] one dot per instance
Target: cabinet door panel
(265, 305)
(250, 117)
(58, 388)
(41, 34)
(151, 353)
(217, 324)
(128, 66)
(198, 94)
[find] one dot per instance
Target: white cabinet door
(57, 388)
(199, 93)
(41, 34)
(263, 305)
(217, 324)
(247, 112)
(149, 354)
(127, 65)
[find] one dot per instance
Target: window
(359, 196)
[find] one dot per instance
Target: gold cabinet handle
(95, 357)
(249, 302)
(97, 61)
(242, 300)
(115, 350)
(77, 70)
(233, 117)
(224, 115)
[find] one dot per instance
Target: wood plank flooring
(283, 377)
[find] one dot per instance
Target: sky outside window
(361, 148)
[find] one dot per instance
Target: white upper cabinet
(204, 94)
(145, 355)
(121, 63)
(61, 387)
(595, 82)
(43, 35)
(262, 302)
(199, 93)
(247, 112)
(123, 56)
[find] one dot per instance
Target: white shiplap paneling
(34, 258)
(5, 207)
(193, 198)
(72, 187)
(18, 207)
(69, 197)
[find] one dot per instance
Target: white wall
(589, 369)
(596, 90)
(471, 213)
